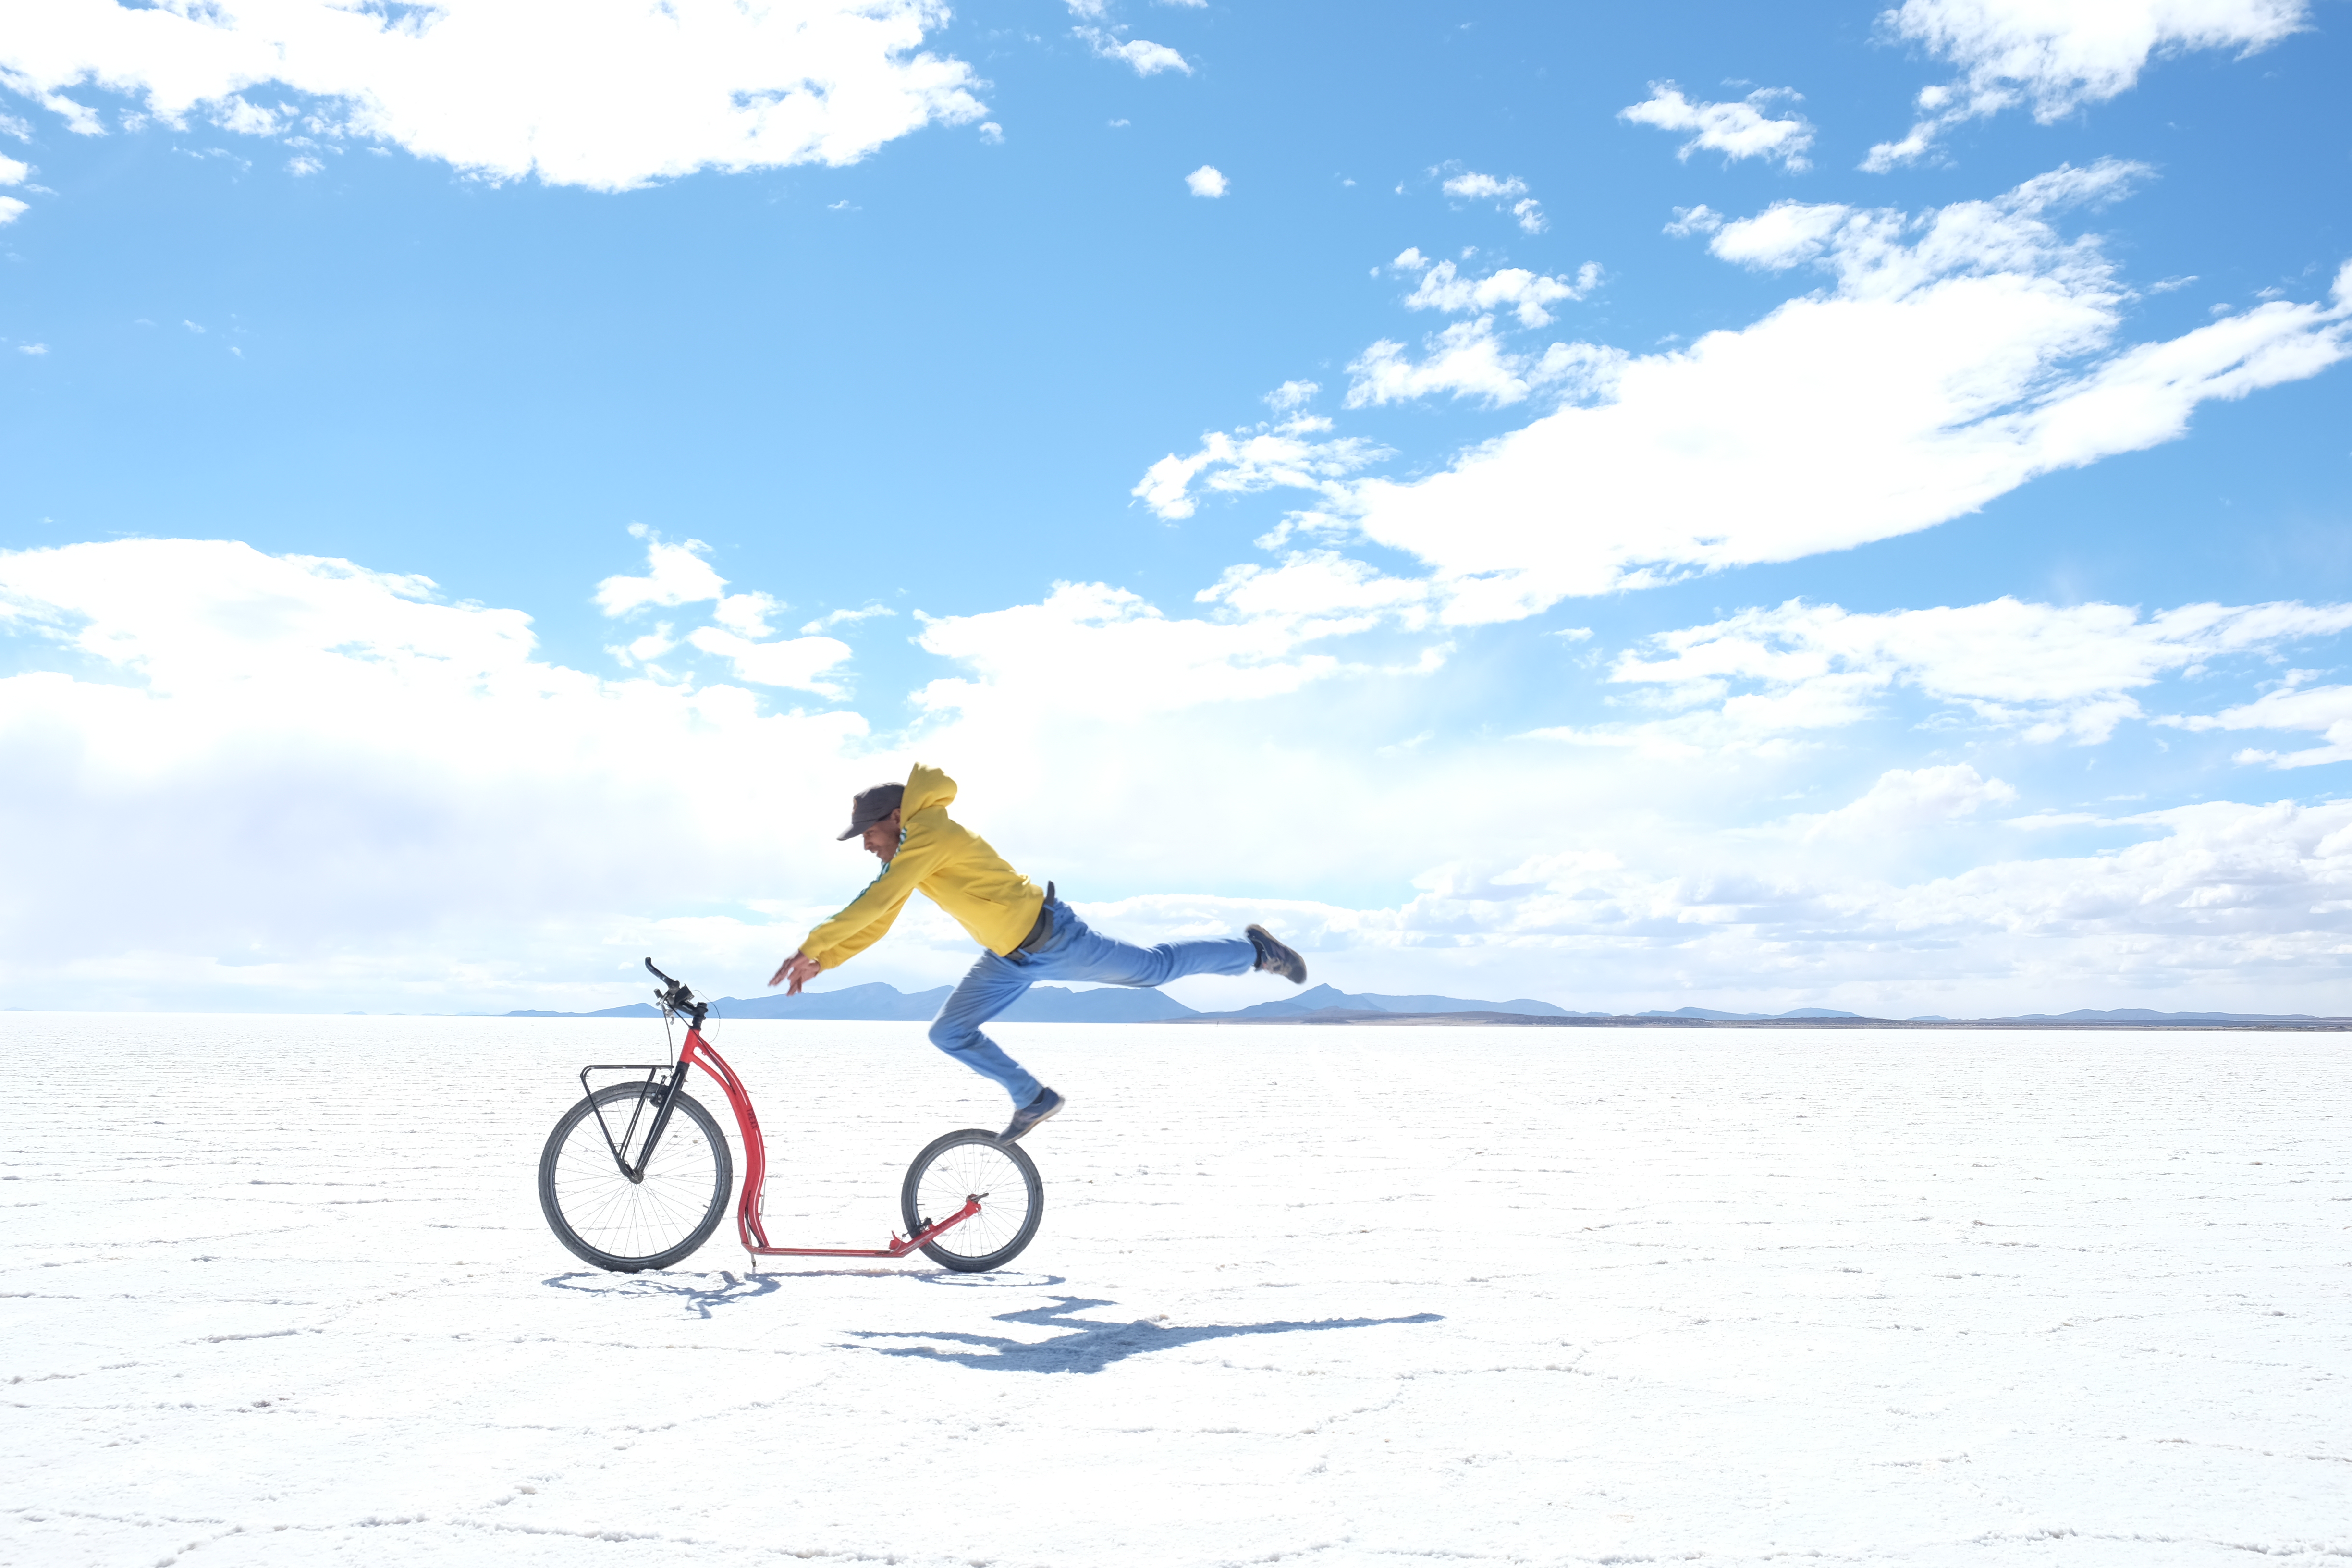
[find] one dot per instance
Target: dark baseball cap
(869, 806)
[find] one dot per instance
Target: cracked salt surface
(277, 1291)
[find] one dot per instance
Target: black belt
(1044, 926)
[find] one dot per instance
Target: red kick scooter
(636, 1175)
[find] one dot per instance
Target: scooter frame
(676, 1001)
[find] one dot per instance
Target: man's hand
(800, 969)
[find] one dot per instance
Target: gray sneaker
(1046, 1103)
(1276, 957)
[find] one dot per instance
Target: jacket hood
(926, 787)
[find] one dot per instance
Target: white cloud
(327, 779)
(34, 349)
(2325, 710)
(1955, 355)
(11, 209)
(846, 618)
(1263, 457)
(1292, 395)
(154, 606)
(1319, 594)
(1484, 187)
(1147, 57)
(1781, 236)
(798, 662)
(1700, 219)
(647, 649)
(14, 172)
(678, 574)
(332, 789)
(609, 94)
(1091, 653)
(1525, 292)
(1205, 181)
(2060, 58)
(1471, 186)
(1903, 800)
(304, 165)
(250, 118)
(745, 612)
(1467, 360)
(2222, 904)
(2228, 886)
(1092, 650)
(1741, 130)
(2048, 672)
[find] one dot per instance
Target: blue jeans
(1071, 952)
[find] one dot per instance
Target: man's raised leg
(1078, 951)
(992, 985)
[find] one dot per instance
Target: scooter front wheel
(606, 1219)
(961, 1167)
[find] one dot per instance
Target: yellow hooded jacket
(951, 865)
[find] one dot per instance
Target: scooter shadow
(700, 1299)
(697, 1299)
(1090, 1346)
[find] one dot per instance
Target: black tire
(614, 1223)
(965, 1164)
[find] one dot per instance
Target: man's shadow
(1089, 1346)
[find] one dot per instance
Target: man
(1030, 935)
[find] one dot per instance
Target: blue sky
(1803, 506)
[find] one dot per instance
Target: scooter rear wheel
(973, 1164)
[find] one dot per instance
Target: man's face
(882, 840)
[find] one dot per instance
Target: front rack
(654, 1092)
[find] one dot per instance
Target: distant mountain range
(1331, 999)
(2142, 1015)
(1709, 1013)
(1060, 1005)
(876, 1001)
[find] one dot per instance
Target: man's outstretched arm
(867, 920)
